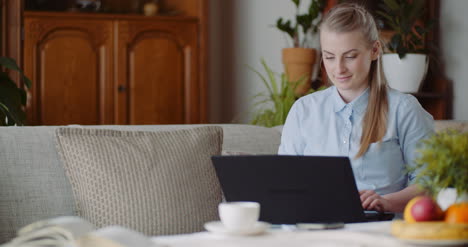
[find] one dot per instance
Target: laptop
(295, 189)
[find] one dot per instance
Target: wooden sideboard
(95, 68)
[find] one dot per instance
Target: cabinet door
(157, 72)
(70, 64)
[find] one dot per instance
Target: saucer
(218, 227)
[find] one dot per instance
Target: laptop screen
(292, 189)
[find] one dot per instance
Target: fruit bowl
(430, 230)
(426, 224)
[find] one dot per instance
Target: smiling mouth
(343, 78)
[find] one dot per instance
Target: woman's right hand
(372, 201)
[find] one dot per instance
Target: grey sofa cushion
(157, 183)
(33, 185)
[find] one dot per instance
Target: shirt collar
(359, 104)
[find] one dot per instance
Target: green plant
(402, 16)
(279, 99)
(443, 162)
(12, 97)
(304, 22)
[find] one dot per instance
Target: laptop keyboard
(378, 216)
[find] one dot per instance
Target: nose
(341, 67)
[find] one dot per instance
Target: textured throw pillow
(153, 182)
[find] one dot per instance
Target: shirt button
(344, 141)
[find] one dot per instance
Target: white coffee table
(358, 234)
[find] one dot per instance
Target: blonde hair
(348, 17)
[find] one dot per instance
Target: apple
(422, 208)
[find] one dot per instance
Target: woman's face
(347, 58)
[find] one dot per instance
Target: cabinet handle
(121, 88)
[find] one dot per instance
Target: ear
(376, 48)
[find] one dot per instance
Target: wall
(241, 35)
(454, 39)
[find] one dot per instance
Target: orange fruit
(457, 213)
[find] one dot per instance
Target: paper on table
(115, 236)
(73, 231)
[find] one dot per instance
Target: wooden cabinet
(157, 72)
(113, 69)
(70, 63)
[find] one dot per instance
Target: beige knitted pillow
(153, 182)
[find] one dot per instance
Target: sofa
(34, 186)
(33, 183)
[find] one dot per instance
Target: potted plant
(12, 97)
(443, 166)
(299, 60)
(273, 108)
(406, 67)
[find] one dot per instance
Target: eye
(329, 58)
(351, 57)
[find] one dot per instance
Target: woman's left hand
(373, 201)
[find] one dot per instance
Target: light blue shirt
(323, 124)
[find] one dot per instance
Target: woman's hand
(373, 201)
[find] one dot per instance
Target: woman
(359, 116)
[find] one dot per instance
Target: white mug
(239, 215)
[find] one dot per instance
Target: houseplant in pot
(442, 163)
(406, 67)
(299, 60)
(273, 108)
(12, 97)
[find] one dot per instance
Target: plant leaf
(386, 16)
(296, 2)
(395, 42)
(442, 161)
(11, 104)
(285, 27)
(402, 16)
(12, 98)
(401, 52)
(264, 80)
(9, 63)
(271, 76)
(392, 4)
(27, 81)
(279, 100)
